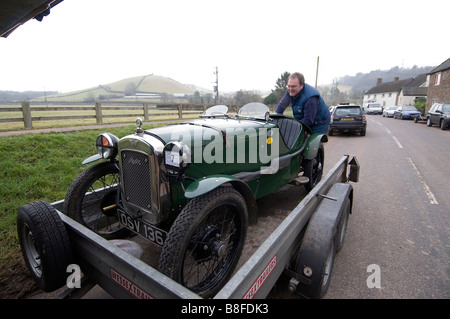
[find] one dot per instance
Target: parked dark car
(439, 114)
(406, 112)
(348, 118)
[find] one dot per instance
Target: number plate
(347, 119)
(146, 230)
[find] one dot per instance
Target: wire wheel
(206, 241)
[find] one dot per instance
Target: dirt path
(77, 128)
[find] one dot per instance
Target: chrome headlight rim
(107, 145)
(177, 157)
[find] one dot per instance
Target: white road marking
(396, 141)
(430, 195)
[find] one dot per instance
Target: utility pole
(216, 87)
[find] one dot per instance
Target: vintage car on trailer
(192, 187)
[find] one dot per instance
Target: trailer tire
(45, 244)
(76, 204)
(207, 236)
(318, 283)
(342, 228)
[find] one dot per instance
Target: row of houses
(434, 86)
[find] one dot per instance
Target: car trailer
(302, 247)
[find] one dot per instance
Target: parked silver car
(389, 111)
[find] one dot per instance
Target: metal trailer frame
(125, 276)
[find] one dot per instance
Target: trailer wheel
(313, 169)
(319, 281)
(45, 244)
(342, 228)
(91, 200)
(206, 240)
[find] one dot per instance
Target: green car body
(239, 151)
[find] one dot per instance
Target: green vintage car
(192, 187)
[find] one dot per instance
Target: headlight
(107, 145)
(177, 157)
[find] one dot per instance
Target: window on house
(390, 94)
(382, 95)
(437, 79)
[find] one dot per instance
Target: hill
(147, 85)
(364, 81)
(11, 96)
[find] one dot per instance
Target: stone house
(439, 85)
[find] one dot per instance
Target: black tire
(313, 169)
(206, 240)
(91, 200)
(45, 244)
(443, 126)
(363, 133)
(429, 123)
(342, 228)
(319, 283)
(326, 271)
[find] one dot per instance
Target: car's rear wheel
(205, 242)
(313, 169)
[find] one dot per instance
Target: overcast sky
(84, 43)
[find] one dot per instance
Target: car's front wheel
(205, 242)
(429, 123)
(91, 200)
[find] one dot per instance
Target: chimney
(396, 79)
(379, 81)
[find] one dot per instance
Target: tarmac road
(400, 226)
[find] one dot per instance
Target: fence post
(145, 111)
(26, 111)
(98, 112)
(180, 111)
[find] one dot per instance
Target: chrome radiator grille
(136, 179)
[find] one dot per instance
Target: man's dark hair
(299, 76)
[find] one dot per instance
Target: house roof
(444, 66)
(414, 88)
(394, 86)
(415, 91)
(14, 13)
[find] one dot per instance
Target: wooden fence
(134, 111)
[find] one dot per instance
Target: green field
(39, 167)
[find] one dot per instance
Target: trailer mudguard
(208, 183)
(312, 145)
(321, 240)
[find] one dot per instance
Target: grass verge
(40, 167)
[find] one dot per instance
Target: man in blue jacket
(307, 104)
